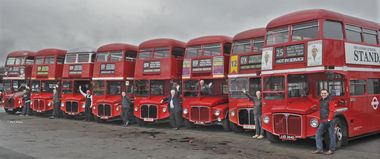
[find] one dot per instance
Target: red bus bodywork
(315, 51)
(207, 59)
(77, 71)
(18, 68)
(46, 74)
(244, 72)
(158, 67)
(114, 69)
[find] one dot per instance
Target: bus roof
(117, 47)
(313, 14)
(50, 51)
(209, 40)
(79, 50)
(162, 42)
(21, 53)
(249, 34)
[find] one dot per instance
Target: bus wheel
(272, 138)
(226, 124)
(188, 124)
(341, 134)
(234, 127)
(10, 111)
(140, 122)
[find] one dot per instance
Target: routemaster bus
(310, 50)
(46, 75)
(244, 73)
(158, 68)
(77, 71)
(114, 69)
(204, 81)
(18, 68)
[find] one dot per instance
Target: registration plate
(39, 111)
(249, 126)
(148, 119)
(287, 137)
(10, 109)
(200, 122)
(104, 117)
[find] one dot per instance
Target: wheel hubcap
(339, 133)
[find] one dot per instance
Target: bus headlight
(83, 105)
(266, 119)
(62, 104)
(49, 104)
(185, 111)
(232, 113)
(93, 107)
(136, 109)
(19, 102)
(314, 122)
(164, 110)
(217, 112)
(117, 108)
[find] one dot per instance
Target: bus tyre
(188, 124)
(10, 111)
(234, 127)
(140, 122)
(341, 134)
(272, 138)
(226, 124)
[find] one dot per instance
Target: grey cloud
(39, 24)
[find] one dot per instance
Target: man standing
(56, 101)
(88, 104)
(205, 88)
(126, 109)
(326, 110)
(175, 108)
(26, 99)
(257, 112)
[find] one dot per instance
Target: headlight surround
(164, 110)
(217, 112)
(232, 113)
(266, 119)
(185, 111)
(314, 122)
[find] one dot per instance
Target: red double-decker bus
(204, 81)
(77, 71)
(158, 68)
(244, 73)
(46, 75)
(310, 50)
(114, 69)
(18, 68)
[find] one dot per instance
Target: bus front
(77, 72)
(204, 81)
(113, 73)
(244, 73)
(46, 75)
(18, 68)
(158, 69)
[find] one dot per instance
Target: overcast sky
(38, 24)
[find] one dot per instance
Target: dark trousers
(176, 118)
(55, 110)
(126, 114)
(330, 126)
(88, 113)
(26, 108)
(258, 125)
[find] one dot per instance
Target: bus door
(359, 106)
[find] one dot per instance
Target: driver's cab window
(297, 86)
(156, 87)
(334, 87)
(254, 85)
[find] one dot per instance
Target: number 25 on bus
(311, 50)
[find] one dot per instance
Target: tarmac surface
(39, 137)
